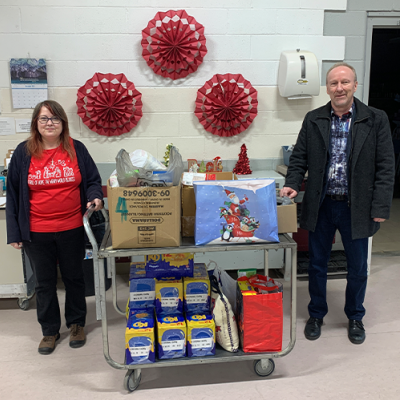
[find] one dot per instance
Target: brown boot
(48, 344)
(78, 337)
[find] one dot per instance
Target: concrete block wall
(353, 26)
(78, 38)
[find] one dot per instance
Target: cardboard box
(144, 216)
(189, 204)
(287, 218)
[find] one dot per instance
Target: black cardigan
(18, 206)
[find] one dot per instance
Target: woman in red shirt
(51, 181)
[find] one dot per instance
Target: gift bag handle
(262, 287)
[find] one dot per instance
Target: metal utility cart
(263, 362)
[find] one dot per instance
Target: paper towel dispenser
(298, 75)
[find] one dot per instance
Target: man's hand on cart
(98, 204)
(17, 246)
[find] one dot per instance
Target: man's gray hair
(342, 64)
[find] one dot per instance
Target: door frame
(376, 20)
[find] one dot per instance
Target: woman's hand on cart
(97, 203)
(17, 246)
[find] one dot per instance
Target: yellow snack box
(171, 334)
(139, 338)
(200, 335)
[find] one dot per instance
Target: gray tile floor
(329, 368)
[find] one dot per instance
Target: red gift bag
(260, 319)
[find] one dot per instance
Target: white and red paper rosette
(226, 105)
(109, 104)
(173, 44)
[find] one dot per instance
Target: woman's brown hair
(34, 144)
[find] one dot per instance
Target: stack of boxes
(169, 310)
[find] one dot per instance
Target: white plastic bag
(143, 159)
(227, 285)
(226, 330)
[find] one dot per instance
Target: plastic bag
(226, 330)
(129, 175)
(143, 159)
(227, 285)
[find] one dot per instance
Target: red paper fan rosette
(173, 44)
(109, 104)
(226, 105)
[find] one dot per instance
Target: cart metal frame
(263, 362)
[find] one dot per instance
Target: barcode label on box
(141, 351)
(204, 343)
(173, 345)
(169, 301)
(141, 296)
(196, 298)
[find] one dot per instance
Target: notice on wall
(22, 125)
(28, 81)
(7, 126)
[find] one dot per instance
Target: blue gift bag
(241, 211)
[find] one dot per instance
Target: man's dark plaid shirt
(337, 176)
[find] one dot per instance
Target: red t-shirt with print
(54, 194)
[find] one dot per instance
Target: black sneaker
(312, 331)
(356, 331)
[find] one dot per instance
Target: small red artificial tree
(242, 167)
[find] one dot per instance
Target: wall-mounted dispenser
(298, 75)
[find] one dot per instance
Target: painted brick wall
(78, 38)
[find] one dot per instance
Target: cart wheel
(131, 382)
(266, 370)
(23, 303)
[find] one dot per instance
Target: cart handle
(88, 228)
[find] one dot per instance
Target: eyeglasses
(54, 120)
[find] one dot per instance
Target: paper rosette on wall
(173, 44)
(109, 104)
(226, 105)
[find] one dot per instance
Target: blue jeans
(45, 251)
(336, 215)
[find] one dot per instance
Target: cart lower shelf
(263, 364)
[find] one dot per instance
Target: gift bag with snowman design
(242, 211)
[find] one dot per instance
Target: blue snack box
(137, 269)
(141, 290)
(196, 290)
(200, 335)
(169, 265)
(169, 296)
(139, 338)
(171, 334)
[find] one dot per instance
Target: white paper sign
(23, 125)
(7, 126)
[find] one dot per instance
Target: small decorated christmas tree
(242, 167)
(166, 155)
(202, 167)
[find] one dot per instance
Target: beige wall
(168, 117)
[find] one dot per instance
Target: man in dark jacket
(346, 148)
